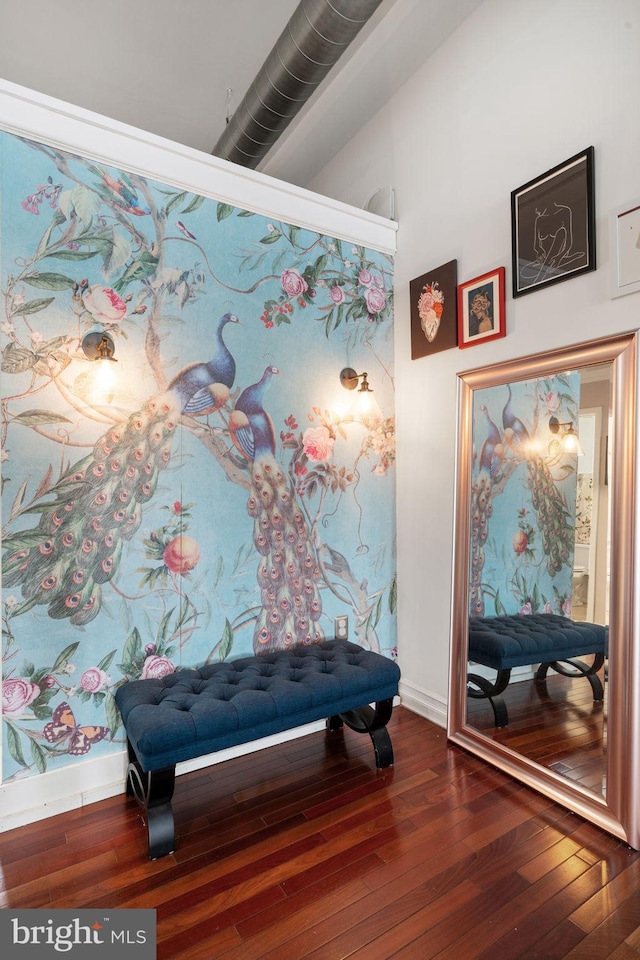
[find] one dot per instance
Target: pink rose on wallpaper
(337, 294)
(182, 554)
(293, 284)
(526, 609)
(156, 667)
(93, 680)
(375, 299)
(566, 607)
(552, 401)
(104, 304)
(17, 694)
(318, 443)
(548, 607)
(365, 278)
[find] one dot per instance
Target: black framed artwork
(553, 225)
(434, 323)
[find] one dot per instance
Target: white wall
(518, 89)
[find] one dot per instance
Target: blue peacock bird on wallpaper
(98, 503)
(288, 573)
(78, 543)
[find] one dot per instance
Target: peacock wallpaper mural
(214, 498)
(523, 498)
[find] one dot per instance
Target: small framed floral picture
(481, 314)
(434, 310)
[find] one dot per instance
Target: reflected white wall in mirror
(543, 533)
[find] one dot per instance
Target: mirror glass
(539, 487)
(543, 678)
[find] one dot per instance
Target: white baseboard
(427, 704)
(36, 798)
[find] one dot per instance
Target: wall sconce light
(366, 404)
(568, 440)
(98, 345)
(349, 380)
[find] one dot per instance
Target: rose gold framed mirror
(549, 391)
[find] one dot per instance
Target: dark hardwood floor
(557, 723)
(305, 850)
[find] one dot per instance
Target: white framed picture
(625, 249)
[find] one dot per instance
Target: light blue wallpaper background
(139, 531)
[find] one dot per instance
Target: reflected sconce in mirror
(99, 346)
(564, 438)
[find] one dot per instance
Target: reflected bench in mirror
(548, 640)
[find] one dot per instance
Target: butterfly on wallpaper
(63, 726)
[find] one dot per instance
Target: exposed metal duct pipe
(314, 39)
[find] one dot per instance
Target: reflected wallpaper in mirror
(529, 556)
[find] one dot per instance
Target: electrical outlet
(341, 627)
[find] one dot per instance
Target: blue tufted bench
(547, 639)
(191, 713)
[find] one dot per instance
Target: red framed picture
(481, 314)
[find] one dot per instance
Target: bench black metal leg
(153, 791)
(577, 668)
(373, 721)
(479, 688)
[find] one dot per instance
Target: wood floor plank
(305, 851)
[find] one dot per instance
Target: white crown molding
(33, 115)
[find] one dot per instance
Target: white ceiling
(166, 65)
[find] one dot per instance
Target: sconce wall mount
(350, 380)
(98, 345)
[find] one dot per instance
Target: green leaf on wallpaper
(356, 310)
(223, 211)
(112, 713)
(218, 571)
(56, 220)
(86, 202)
(115, 252)
(197, 201)
(39, 756)
(64, 657)
(271, 237)
(105, 663)
(393, 595)
(18, 501)
(292, 232)
(246, 213)
(175, 202)
(22, 540)
(15, 748)
(72, 254)
(31, 306)
(226, 641)
(163, 628)
(132, 647)
(49, 281)
(17, 359)
(320, 264)
(33, 418)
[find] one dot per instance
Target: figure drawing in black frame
(553, 230)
